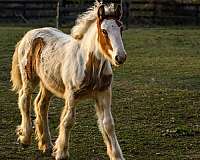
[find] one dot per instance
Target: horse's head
(110, 35)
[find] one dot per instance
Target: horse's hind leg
(41, 104)
(25, 129)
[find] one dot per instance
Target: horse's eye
(105, 32)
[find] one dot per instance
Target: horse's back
(52, 37)
(41, 55)
(48, 34)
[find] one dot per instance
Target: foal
(72, 67)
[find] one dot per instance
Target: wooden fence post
(24, 9)
(58, 21)
(154, 11)
(197, 14)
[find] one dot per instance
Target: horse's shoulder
(97, 76)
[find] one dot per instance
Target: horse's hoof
(48, 151)
(19, 131)
(24, 142)
(60, 156)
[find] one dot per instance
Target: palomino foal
(72, 67)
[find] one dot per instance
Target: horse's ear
(118, 12)
(101, 12)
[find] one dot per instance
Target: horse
(72, 67)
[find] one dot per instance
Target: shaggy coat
(72, 67)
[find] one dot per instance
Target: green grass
(156, 97)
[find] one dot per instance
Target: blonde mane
(84, 20)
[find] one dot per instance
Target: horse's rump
(38, 57)
(33, 58)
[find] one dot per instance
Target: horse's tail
(15, 72)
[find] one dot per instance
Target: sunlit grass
(156, 97)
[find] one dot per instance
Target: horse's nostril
(117, 58)
(120, 59)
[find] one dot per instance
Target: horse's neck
(93, 58)
(88, 42)
(96, 70)
(97, 74)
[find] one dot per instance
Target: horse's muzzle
(120, 59)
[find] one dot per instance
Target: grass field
(156, 100)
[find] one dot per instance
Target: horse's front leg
(67, 120)
(106, 124)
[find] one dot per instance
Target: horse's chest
(98, 83)
(97, 77)
(92, 83)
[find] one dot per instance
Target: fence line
(138, 11)
(158, 11)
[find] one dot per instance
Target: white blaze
(114, 34)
